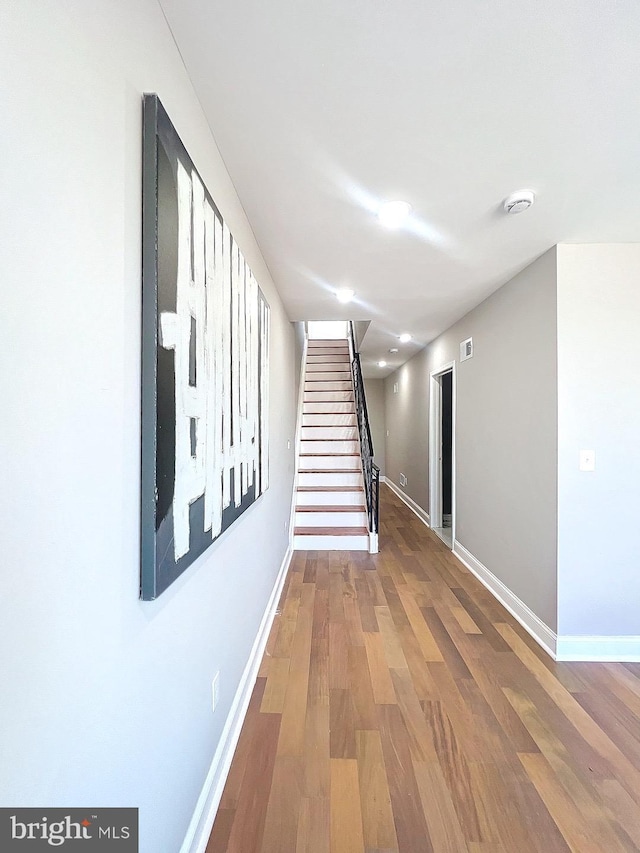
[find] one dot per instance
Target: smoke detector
(519, 201)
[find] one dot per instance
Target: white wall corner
(199, 830)
(298, 437)
(594, 648)
(540, 631)
(413, 506)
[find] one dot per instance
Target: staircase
(330, 501)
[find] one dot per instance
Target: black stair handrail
(370, 470)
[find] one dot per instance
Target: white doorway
(442, 431)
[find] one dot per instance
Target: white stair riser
(332, 519)
(320, 431)
(325, 376)
(323, 367)
(327, 396)
(328, 359)
(321, 447)
(328, 386)
(346, 407)
(331, 543)
(329, 419)
(328, 351)
(344, 462)
(329, 499)
(323, 478)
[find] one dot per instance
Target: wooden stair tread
(331, 531)
(337, 508)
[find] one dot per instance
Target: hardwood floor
(399, 707)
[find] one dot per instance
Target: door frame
(435, 439)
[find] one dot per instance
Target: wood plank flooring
(399, 707)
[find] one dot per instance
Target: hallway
(399, 707)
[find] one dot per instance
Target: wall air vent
(466, 349)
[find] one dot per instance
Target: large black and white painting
(205, 368)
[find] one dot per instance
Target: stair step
(328, 359)
(328, 396)
(329, 461)
(323, 367)
(344, 516)
(331, 531)
(324, 432)
(331, 543)
(331, 508)
(319, 375)
(329, 407)
(318, 446)
(331, 453)
(330, 489)
(327, 386)
(328, 419)
(329, 471)
(330, 477)
(321, 496)
(323, 342)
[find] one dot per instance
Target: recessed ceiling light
(344, 294)
(393, 349)
(394, 213)
(405, 337)
(382, 363)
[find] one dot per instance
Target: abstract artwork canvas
(205, 364)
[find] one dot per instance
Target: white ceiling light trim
(382, 363)
(393, 214)
(405, 337)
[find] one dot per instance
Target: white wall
(106, 700)
(506, 423)
(599, 409)
(374, 393)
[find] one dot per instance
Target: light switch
(587, 460)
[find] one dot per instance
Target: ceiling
(323, 110)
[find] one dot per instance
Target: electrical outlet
(215, 690)
(403, 480)
(587, 460)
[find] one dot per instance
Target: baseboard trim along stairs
(330, 509)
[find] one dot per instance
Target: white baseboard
(540, 632)
(199, 830)
(594, 648)
(413, 506)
